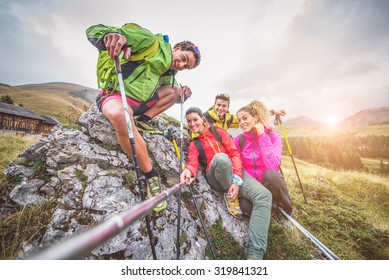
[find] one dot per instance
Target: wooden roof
(18, 111)
(50, 120)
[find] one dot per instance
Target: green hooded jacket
(145, 71)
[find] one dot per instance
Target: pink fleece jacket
(260, 152)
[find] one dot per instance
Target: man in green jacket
(149, 65)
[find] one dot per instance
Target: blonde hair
(257, 108)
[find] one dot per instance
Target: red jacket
(206, 139)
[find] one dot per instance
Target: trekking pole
(193, 197)
(140, 177)
(179, 174)
(80, 246)
(278, 121)
(327, 252)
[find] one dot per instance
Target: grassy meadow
(348, 211)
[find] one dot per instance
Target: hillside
(347, 210)
(368, 117)
(302, 120)
(51, 99)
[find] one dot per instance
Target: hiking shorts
(138, 107)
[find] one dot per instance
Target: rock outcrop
(85, 172)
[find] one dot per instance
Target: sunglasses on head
(223, 95)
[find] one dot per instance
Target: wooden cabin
(48, 124)
(21, 119)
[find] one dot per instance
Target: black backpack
(211, 120)
(242, 140)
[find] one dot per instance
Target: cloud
(329, 51)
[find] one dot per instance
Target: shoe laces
(154, 185)
(233, 203)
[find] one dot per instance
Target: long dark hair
(194, 110)
(212, 128)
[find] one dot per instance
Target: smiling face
(182, 60)
(195, 122)
(221, 107)
(246, 121)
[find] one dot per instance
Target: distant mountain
(368, 117)
(365, 117)
(302, 120)
(86, 93)
(51, 99)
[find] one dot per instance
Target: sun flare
(331, 121)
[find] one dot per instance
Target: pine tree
(6, 99)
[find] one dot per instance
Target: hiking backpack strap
(229, 122)
(242, 140)
(202, 157)
(208, 117)
(215, 132)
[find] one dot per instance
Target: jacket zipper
(254, 158)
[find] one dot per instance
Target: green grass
(10, 148)
(373, 165)
(224, 245)
(288, 243)
(82, 177)
(27, 223)
(347, 211)
(24, 226)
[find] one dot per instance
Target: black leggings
(275, 183)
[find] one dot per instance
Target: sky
(323, 59)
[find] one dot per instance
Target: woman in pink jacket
(260, 149)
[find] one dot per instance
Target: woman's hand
(259, 128)
(186, 176)
(233, 192)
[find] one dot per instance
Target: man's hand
(186, 92)
(186, 176)
(278, 112)
(233, 192)
(114, 43)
